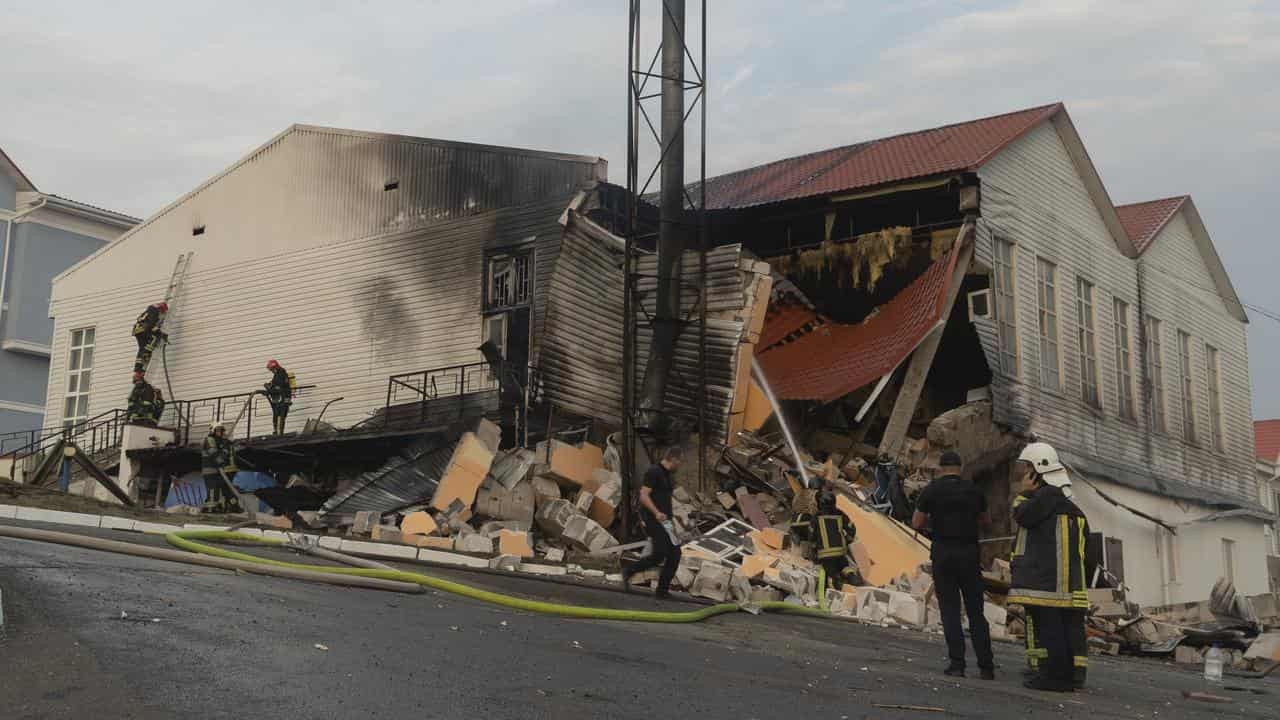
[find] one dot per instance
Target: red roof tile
(1266, 439)
(836, 359)
(781, 320)
(951, 148)
(1143, 221)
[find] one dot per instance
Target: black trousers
(1054, 629)
(146, 345)
(664, 553)
(834, 568)
(279, 411)
(957, 580)
(1077, 641)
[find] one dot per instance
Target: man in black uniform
(955, 509)
(655, 498)
(146, 330)
(279, 394)
(146, 402)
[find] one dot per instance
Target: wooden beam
(922, 359)
(103, 479)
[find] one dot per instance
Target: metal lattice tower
(647, 418)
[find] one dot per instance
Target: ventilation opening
(197, 230)
(391, 185)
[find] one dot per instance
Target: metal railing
(201, 413)
(93, 436)
(438, 395)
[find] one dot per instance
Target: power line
(1273, 315)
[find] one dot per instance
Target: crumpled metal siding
(581, 357)
(405, 479)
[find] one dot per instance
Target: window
(1088, 343)
(495, 331)
(1171, 559)
(1006, 308)
(1188, 398)
(1155, 374)
(1124, 360)
(1050, 363)
(508, 280)
(1213, 374)
(79, 377)
(1229, 560)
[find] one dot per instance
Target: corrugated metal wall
(311, 186)
(1033, 196)
(343, 316)
(581, 358)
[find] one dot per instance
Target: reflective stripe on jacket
(1048, 558)
(834, 533)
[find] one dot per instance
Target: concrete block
(712, 582)
(739, 588)
(996, 615)
(511, 467)
(907, 610)
(436, 543)
(330, 542)
(360, 547)
(111, 522)
(726, 500)
(766, 594)
(545, 489)
(279, 522)
(549, 570)
(58, 517)
(553, 516)
(753, 566)
(554, 554)
(467, 469)
(1187, 655)
(275, 535)
(418, 523)
(593, 573)
(571, 465)
(473, 543)
(583, 503)
(203, 526)
(494, 500)
(143, 526)
(515, 543)
(842, 603)
(510, 563)
(365, 522)
(448, 558)
(8, 511)
(1265, 647)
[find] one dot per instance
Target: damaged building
(972, 286)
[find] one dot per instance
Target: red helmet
(272, 364)
(163, 307)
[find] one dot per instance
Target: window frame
(77, 379)
(1213, 383)
(1126, 406)
(1048, 293)
(518, 299)
(1004, 283)
(1186, 383)
(1155, 372)
(1087, 340)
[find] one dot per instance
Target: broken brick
(473, 543)
(365, 522)
(418, 523)
(467, 469)
(545, 489)
(514, 543)
(569, 464)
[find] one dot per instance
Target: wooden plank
(103, 479)
(922, 359)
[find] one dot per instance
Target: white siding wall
(1179, 290)
(343, 316)
(1033, 196)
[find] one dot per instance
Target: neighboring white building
(1267, 440)
(348, 256)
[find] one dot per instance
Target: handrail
(93, 435)
(219, 408)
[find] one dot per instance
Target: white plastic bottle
(1213, 665)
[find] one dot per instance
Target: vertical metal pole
(671, 230)
(628, 330)
(702, 264)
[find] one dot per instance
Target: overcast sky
(128, 105)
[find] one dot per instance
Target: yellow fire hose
(187, 540)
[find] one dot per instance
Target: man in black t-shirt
(954, 509)
(655, 498)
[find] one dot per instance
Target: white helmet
(1044, 459)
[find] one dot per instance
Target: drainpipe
(8, 243)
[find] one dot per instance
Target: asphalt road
(205, 643)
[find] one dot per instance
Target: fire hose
(199, 553)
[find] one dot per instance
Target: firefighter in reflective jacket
(146, 330)
(146, 402)
(831, 532)
(1078, 640)
(217, 459)
(1048, 568)
(279, 394)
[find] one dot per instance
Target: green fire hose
(188, 540)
